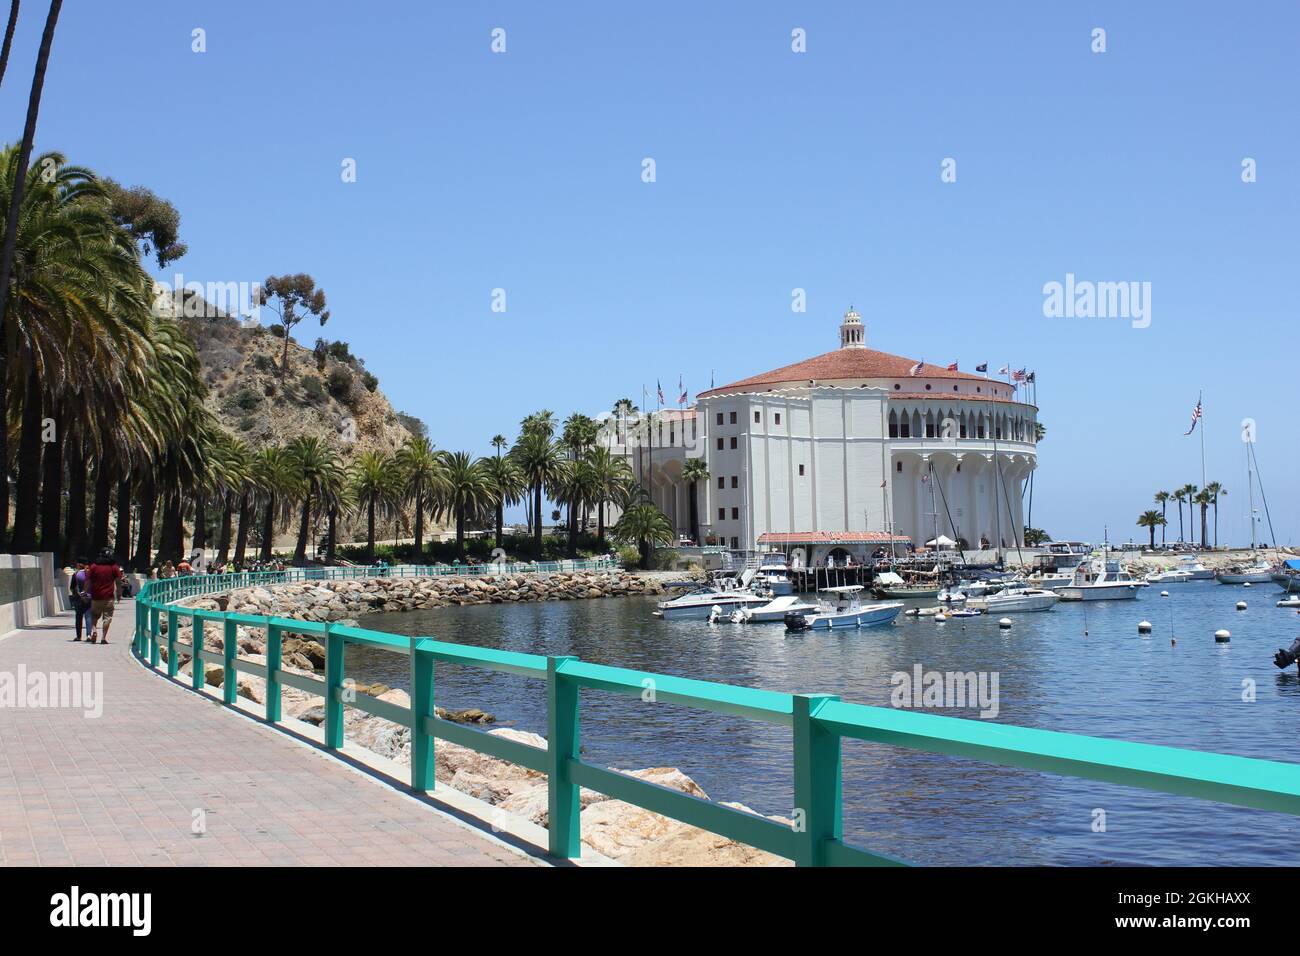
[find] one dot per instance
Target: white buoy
(1222, 636)
(940, 617)
(1005, 623)
(1144, 627)
(1246, 584)
(1164, 594)
(1241, 605)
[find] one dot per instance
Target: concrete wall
(39, 583)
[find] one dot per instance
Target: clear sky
(775, 170)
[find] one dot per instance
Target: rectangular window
(758, 417)
(735, 514)
(721, 482)
(778, 418)
(801, 471)
(719, 444)
(900, 466)
(733, 418)
(719, 418)
(735, 543)
(722, 514)
(733, 441)
(735, 482)
(893, 429)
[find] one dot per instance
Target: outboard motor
(715, 614)
(738, 616)
(796, 621)
(1285, 658)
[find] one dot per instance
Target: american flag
(661, 391)
(1018, 375)
(1196, 417)
(952, 367)
(681, 391)
(916, 369)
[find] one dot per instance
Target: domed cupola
(853, 334)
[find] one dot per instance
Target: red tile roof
(850, 363)
(828, 537)
(959, 396)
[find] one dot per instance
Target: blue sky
(775, 171)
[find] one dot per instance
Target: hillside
(326, 392)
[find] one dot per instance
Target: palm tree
(376, 486)
(1151, 520)
(467, 493)
(9, 37)
(423, 476)
(643, 525)
(1215, 489)
(1162, 499)
(508, 486)
(315, 468)
(1189, 493)
(541, 462)
(17, 181)
(1179, 496)
(273, 484)
(499, 442)
(695, 471)
(612, 484)
(1203, 499)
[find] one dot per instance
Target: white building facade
(855, 448)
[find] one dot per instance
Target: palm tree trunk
(9, 38)
(76, 523)
(332, 537)
(27, 492)
(419, 525)
(695, 514)
(223, 534)
(600, 522)
(241, 536)
(52, 491)
(370, 531)
(500, 521)
(171, 542)
(1164, 513)
(200, 522)
(122, 538)
(537, 519)
(144, 529)
(300, 549)
(268, 527)
(11, 221)
(99, 517)
(460, 531)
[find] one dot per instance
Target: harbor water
(1081, 668)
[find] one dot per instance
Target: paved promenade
(125, 788)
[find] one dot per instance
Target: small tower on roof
(853, 334)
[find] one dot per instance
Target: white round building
(850, 450)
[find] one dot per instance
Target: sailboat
(1259, 572)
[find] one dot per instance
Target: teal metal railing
(818, 724)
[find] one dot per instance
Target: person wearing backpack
(79, 596)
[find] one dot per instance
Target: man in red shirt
(102, 576)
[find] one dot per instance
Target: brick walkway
(123, 788)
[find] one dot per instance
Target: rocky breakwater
(347, 600)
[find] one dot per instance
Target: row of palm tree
(1189, 494)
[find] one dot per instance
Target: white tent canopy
(943, 541)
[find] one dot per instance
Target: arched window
(893, 423)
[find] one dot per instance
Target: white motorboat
(843, 607)
(777, 609)
(1100, 579)
(701, 602)
(1021, 599)
(1261, 572)
(1198, 571)
(1174, 576)
(1049, 582)
(773, 575)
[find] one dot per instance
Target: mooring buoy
(1005, 623)
(1241, 605)
(1144, 627)
(1222, 636)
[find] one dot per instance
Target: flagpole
(1200, 401)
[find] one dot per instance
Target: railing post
(229, 645)
(561, 747)
(153, 636)
(816, 781)
(333, 690)
(196, 662)
(173, 665)
(274, 647)
(422, 706)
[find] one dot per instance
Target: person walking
(79, 596)
(102, 576)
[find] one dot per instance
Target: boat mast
(1250, 488)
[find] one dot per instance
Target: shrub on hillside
(339, 381)
(313, 390)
